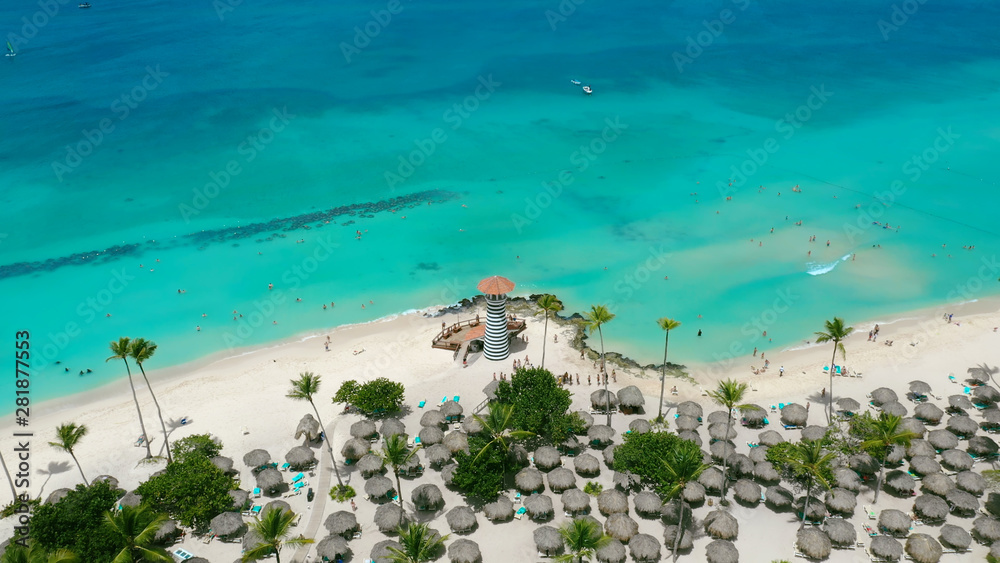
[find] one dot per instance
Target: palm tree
(548, 304)
(10, 481)
(419, 545)
(499, 427)
(809, 460)
(135, 529)
(68, 436)
(729, 394)
(273, 530)
(684, 465)
(120, 351)
(666, 325)
(887, 433)
(396, 454)
(141, 350)
(984, 370)
(304, 388)
(37, 554)
(583, 538)
(836, 332)
(595, 318)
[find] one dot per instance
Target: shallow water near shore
(504, 167)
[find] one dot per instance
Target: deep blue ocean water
(199, 147)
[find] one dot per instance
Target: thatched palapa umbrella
(464, 551)
(437, 454)
(621, 527)
(570, 445)
(863, 463)
(240, 498)
(448, 473)
(900, 482)
(985, 395)
(711, 478)
(539, 507)
(690, 436)
(647, 504)
(923, 548)
(131, 498)
(451, 410)
(894, 522)
(718, 417)
(587, 465)
(471, 425)
(167, 532)
(846, 478)
(380, 553)
(887, 548)
(389, 517)
(740, 465)
(671, 513)
(461, 519)
(962, 502)
(631, 399)
(747, 492)
(609, 456)
(972, 483)
(778, 496)
(722, 551)
(920, 447)
(603, 400)
(547, 457)
(813, 432)
(364, 429)
(685, 422)
(924, 465)
(586, 418)
(928, 412)
(758, 454)
(561, 479)
(224, 464)
(883, 395)
(841, 532)
(432, 417)
(991, 416)
(670, 538)
(693, 493)
(959, 402)
(816, 510)
(718, 431)
(841, 501)
(456, 441)
(528, 480)
(332, 548)
(427, 497)
(341, 523)
(814, 543)
(894, 408)
(278, 505)
(770, 438)
(500, 510)
(379, 487)
(626, 480)
(690, 408)
(754, 415)
(576, 501)
(430, 435)
(612, 501)
(721, 525)
(392, 426)
(954, 537)
(355, 448)
(640, 426)
(256, 458)
(847, 404)
(986, 529)
(722, 450)
(943, 439)
(919, 388)
(794, 415)
(600, 435)
(962, 426)
(300, 457)
(765, 472)
(548, 540)
(982, 446)
(644, 547)
(956, 460)
(931, 508)
(270, 480)
(370, 464)
(59, 494)
(228, 525)
(612, 552)
(937, 483)
(911, 424)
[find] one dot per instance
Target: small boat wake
(814, 269)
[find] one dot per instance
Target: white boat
(577, 82)
(588, 90)
(10, 50)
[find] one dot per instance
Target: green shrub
(643, 454)
(192, 491)
(593, 488)
(198, 444)
(378, 396)
(76, 523)
(340, 493)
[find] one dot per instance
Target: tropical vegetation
(378, 396)
(67, 437)
(304, 389)
(834, 331)
(548, 304)
(141, 350)
(121, 350)
(272, 531)
(582, 538)
(729, 394)
(595, 319)
(666, 325)
(643, 455)
(419, 544)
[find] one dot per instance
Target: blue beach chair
(457, 398)
(255, 511)
(285, 466)
(416, 440)
(421, 404)
(298, 478)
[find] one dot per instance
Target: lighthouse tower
(497, 341)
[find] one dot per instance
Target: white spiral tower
(496, 345)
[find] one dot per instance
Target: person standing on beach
(781, 371)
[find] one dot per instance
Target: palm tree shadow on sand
(54, 468)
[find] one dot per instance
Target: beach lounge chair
(256, 492)
(421, 404)
(952, 378)
(182, 554)
(457, 398)
(517, 498)
(520, 512)
(416, 440)
(298, 477)
(870, 512)
(444, 399)
(285, 466)
(255, 510)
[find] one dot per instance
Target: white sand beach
(241, 400)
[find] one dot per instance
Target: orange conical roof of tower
(495, 285)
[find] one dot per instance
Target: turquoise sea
(216, 147)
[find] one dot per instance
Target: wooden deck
(453, 336)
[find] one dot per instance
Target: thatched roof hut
(962, 426)
(841, 501)
(758, 454)
(379, 487)
(471, 425)
(956, 460)
(816, 510)
(640, 426)
(256, 458)
(500, 510)
(721, 431)
(576, 501)
(693, 493)
(586, 418)
(722, 551)
(131, 498)
(847, 404)
(971, 482)
(612, 501)
(671, 513)
(920, 447)
(923, 548)
(539, 506)
(943, 439)
(900, 482)
(380, 552)
(491, 390)
(747, 492)
(813, 432)
(928, 412)
(863, 463)
(392, 426)
(690, 436)
(647, 504)
(630, 398)
(611, 552)
(389, 517)
(721, 525)
(686, 422)
(670, 537)
(561, 479)
(430, 435)
(370, 464)
(547, 457)
(364, 429)
(587, 465)
(986, 529)
(609, 456)
(740, 465)
(427, 497)
(814, 543)
(621, 527)
(887, 548)
(438, 454)
(794, 415)
(711, 478)
(883, 395)
(718, 417)
(300, 457)
(924, 465)
(937, 483)
(167, 532)
(895, 408)
(753, 415)
(954, 537)
(225, 464)
(931, 508)
(529, 480)
(58, 494)
(548, 540)
(722, 450)
(911, 424)
(228, 525)
(983, 445)
(959, 402)
(240, 499)
(690, 408)
(846, 478)
(770, 438)
(603, 400)
(432, 417)
(277, 504)
(600, 435)
(778, 497)
(451, 410)
(765, 472)
(341, 523)
(331, 548)
(355, 448)
(270, 480)
(962, 502)
(894, 522)
(644, 548)
(464, 551)
(840, 531)
(461, 519)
